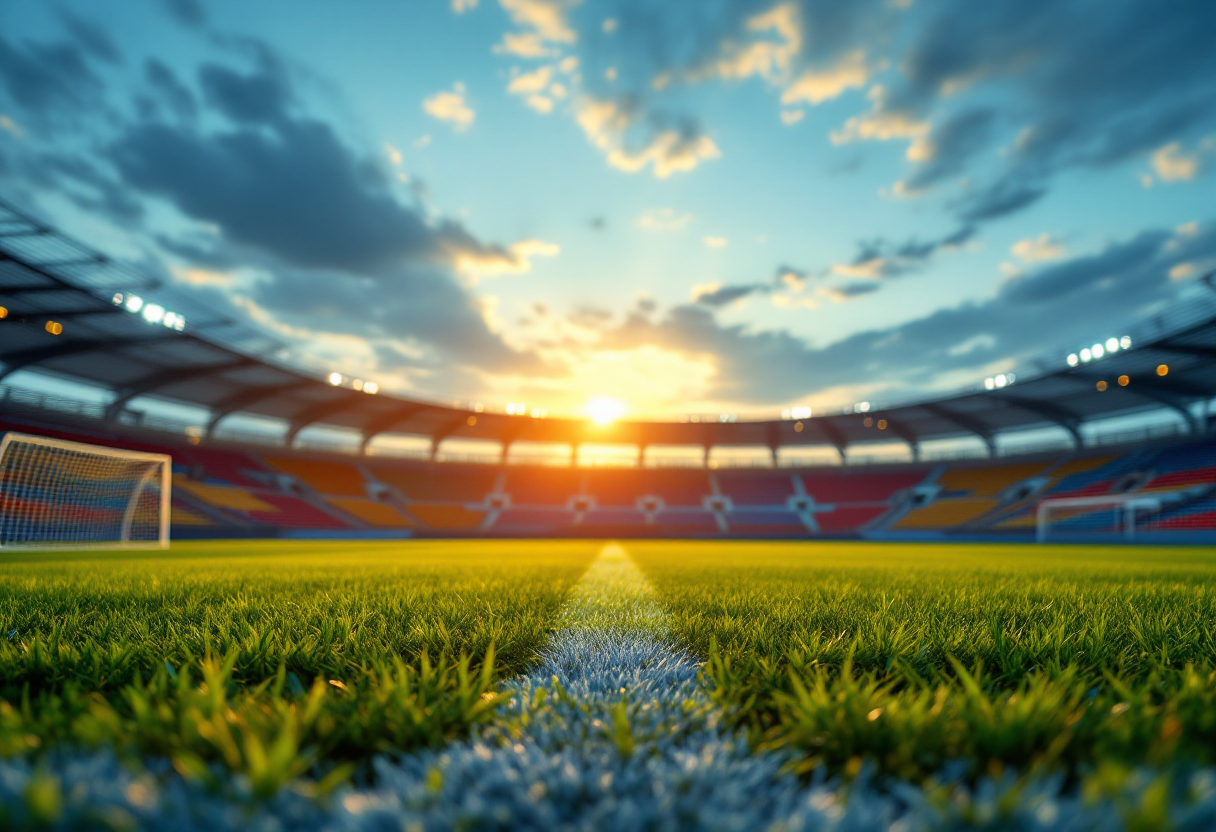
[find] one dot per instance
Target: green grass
(911, 657)
(270, 658)
(278, 659)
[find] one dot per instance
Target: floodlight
(1072, 360)
(1097, 351)
(335, 379)
(154, 313)
(1112, 344)
(134, 303)
(1085, 356)
(1125, 342)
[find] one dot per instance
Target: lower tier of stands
(243, 491)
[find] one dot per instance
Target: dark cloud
(186, 12)
(880, 258)
(1087, 84)
(726, 295)
(91, 37)
(260, 97)
(85, 184)
(1115, 286)
(998, 200)
(44, 78)
(169, 90)
(953, 143)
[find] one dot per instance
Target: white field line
(624, 739)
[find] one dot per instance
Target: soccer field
(516, 684)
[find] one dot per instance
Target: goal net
(1075, 518)
(58, 493)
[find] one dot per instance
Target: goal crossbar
(1125, 504)
(65, 494)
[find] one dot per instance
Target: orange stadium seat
(337, 478)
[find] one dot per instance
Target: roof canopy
(62, 319)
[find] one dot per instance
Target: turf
(901, 663)
(269, 659)
(915, 658)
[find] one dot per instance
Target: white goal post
(1112, 514)
(55, 493)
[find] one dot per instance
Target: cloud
(1079, 91)
(169, 90)
(462, 6)
(7, 125)
(91, 37)
(666, 147)
(716, 295)
(1115, 285)
(1038, 249)
(715, 242)
(48, 81)
(451, 107)
(879, 258)
(544, 28)
(664, 219)
(188, 13)
(491, 262)
(1172, 163)
(815, 86)
(791, 117)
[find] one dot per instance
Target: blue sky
(721, 205)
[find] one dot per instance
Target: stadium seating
(245, 491)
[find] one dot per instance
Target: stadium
(255, 575)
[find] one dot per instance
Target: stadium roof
(68, 315)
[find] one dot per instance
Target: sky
(694, 206)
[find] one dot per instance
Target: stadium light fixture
(153, 313)
(1097, 351)
(1163, 369)
(1125, 342)
(54, 327)
(1072, 359)
(371, 388)
(1112, 345)
(1124, 381)
(334, 379)
(1085, 355)
(517, 409)
(134, 303)
(3, 312)
(800, 412)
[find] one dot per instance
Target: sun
(604, 410)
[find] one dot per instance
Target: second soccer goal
(59, 493)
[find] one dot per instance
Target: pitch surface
(659, 685)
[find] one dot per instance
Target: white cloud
(1172, 164)
(451, 107)
(539, 103)
(667, 152)
(715, 242)
(881, 124)
(702, 289)
(473, 266)
(1037, 249)
(789, 117)
(769, 59)
(543, 24)
(530, 83)
(663, 219)
(814, 86)
(462, 6)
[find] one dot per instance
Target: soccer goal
(58, 493)
(1081, 517)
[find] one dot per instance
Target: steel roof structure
(62, 320)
